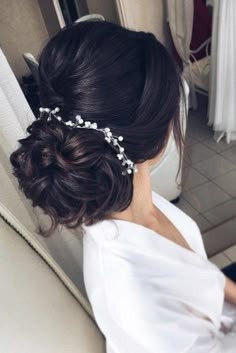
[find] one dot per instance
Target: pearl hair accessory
(109, 137)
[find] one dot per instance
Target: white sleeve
(148, 319)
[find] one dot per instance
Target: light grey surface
(209, 180)
(38, 313)
(220, 238)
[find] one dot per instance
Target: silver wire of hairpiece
(109, 137)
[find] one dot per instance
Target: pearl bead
(130, 166)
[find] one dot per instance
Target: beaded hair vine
(109, 137)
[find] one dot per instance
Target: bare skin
(142, 211)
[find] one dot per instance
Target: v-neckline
(156, 234)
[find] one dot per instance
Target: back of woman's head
(118, 78)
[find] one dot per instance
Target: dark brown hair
(118, 78)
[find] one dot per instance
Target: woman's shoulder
(127, 237)
(158, 198)
(173, 210)
(185, 223)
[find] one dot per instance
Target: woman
(110, 100)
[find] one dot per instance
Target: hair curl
(110, 75)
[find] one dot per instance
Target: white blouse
(151, 295)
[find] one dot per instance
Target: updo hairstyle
(118, 78)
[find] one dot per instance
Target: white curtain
(222, 105)
(15, 115)
(180, 18)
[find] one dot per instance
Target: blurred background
(200, 35)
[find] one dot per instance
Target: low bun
(72, 175)
(114, 77)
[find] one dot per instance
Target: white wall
(22, 26)
(145, 15)
(107, 8)
(52, 16)
(22, 29)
